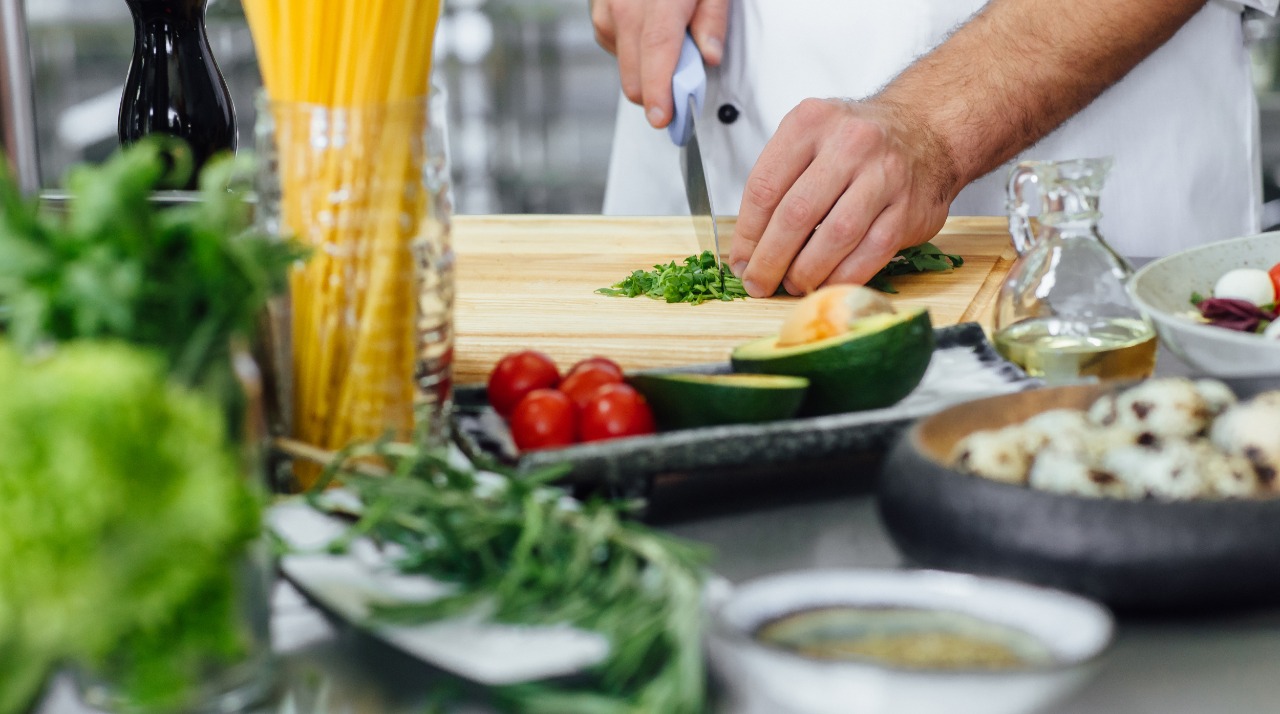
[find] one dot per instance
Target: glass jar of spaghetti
(368, 347)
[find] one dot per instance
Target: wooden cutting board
(527, 282)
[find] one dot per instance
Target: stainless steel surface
(699, 195)
(17, 100)
(57, 199)
(532, 95)
(761, 526)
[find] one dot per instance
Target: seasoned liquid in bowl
(904, 637)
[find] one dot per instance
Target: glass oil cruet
(1063, 314)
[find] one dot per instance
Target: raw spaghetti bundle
(347, 84)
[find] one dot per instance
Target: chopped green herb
(517, 548)
(1196, 299)
(695, 282)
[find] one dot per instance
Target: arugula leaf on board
(522, 551)
(696, 281)
(922, 258)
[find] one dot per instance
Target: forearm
(1019, 69)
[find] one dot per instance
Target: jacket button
(727, 113)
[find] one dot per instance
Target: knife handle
(689, 80)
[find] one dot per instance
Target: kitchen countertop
(787, 522)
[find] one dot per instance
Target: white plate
(471, 647)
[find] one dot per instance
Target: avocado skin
(681, 404)
(867, 371)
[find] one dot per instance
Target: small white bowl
(765, 678)
(1162, 289)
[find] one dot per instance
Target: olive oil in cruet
(1063, 313)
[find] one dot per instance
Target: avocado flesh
(767, 347)
(747, 381)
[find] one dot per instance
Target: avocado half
(683, 401)
(880, 360)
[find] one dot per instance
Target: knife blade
(688, 90)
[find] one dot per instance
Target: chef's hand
(646, 36)
(839, 189)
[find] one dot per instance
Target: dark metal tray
(965, 366)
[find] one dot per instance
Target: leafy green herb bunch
(125, 506)
(112, 263)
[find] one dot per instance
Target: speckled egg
(1170, 471)
(998, 455)
(1271, 398)
(1070, 472)
(1252, 430)
(1217, 395)
(1065, 429)
(1227, 475)
(1158, 410)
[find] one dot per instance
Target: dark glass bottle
(174, 85)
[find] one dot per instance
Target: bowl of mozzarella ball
(1215, 306)
(1155, 496)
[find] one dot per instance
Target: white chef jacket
(1182, 126)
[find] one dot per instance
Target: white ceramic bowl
(768, 679)
(1162, 289)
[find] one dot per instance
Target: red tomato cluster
(591, 403)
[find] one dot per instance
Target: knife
(688, 90)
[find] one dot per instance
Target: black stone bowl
(1145, 556)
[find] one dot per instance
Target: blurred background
(532, 97)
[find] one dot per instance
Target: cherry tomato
(1275, 278)
(582, 385)
(615, 410)
(545, 418)
(597, 363)
(516, 375)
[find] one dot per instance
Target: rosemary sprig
(521, 550)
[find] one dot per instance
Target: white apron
(1182, 126)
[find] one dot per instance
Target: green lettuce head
(123, 511)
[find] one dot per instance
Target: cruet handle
(1018, 207)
